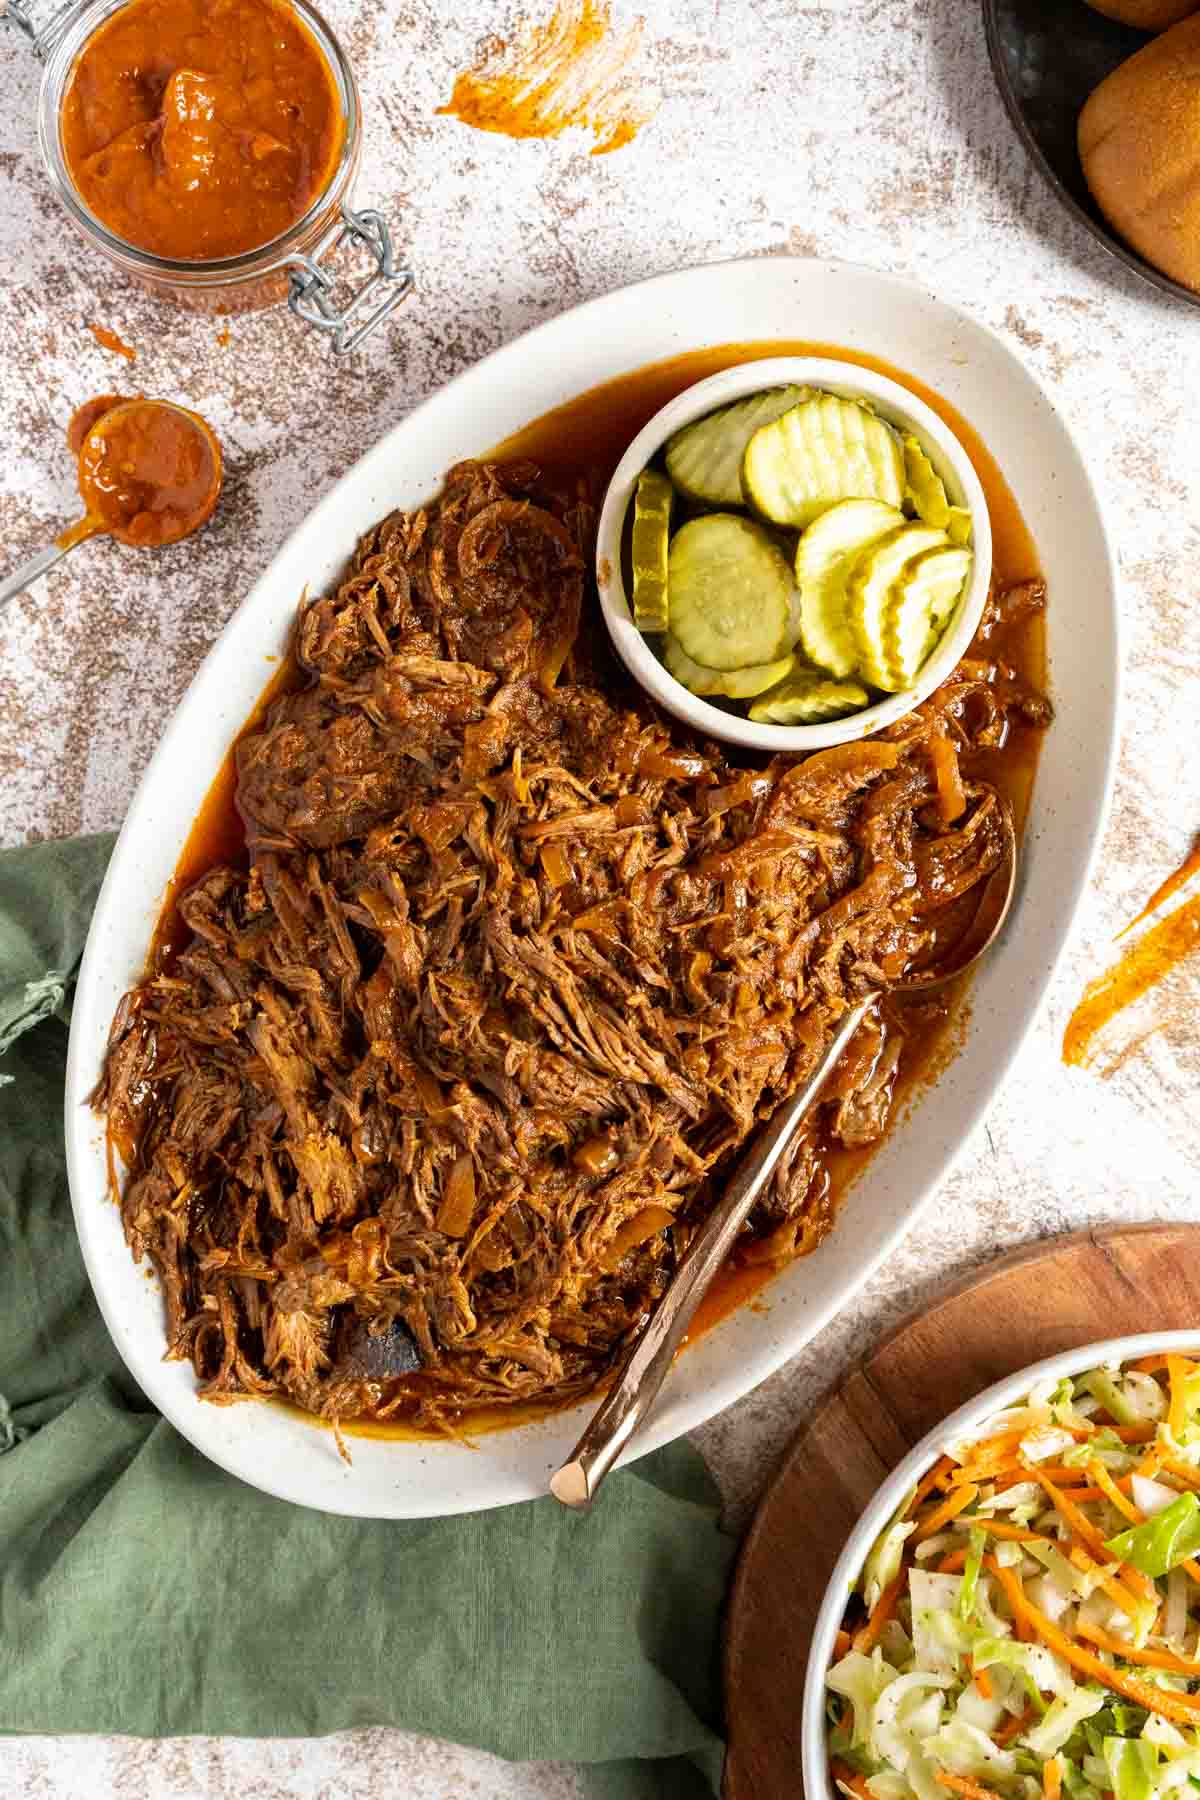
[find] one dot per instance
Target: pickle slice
(704, 460)
(825, 555)
(958, 526)
(925, 487)
(942, 572)
(730, 592)
(918, 609)
(824, 450)
(726, 684)
(868, 591)
(648, 549)
(807, 697)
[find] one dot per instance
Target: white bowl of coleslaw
(1149, 1766)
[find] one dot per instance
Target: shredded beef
(451, 1070)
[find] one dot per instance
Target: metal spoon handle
(634, 1391)
(27, 574)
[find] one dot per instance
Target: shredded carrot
(1013, 1534)
(971, 1789)
(1182, 1708)
(978, 1473)
(1119, 1595)
(1063, 1473)
(1153, 1659)
(1114, 1491)
(841, 1644)
(935, 1477)
(1000, 1466)
(1080, 1527)
(1149, 1365)
(941, 1515)
(1051, 1779)
(1023, 1630)
(1182, 1471)
(1010, 1473)
(950, 1565)
(1085, 1532)
(1149, 1464)
(1012, 1728)
(1108, 1487)
(866, 1639)
(987, 1455)
(846, 1775)
(983, 1683)
(1000, 1440)
(1178, 1370)
(1086, 1493)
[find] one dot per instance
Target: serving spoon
(149, 474)
(635, 1388)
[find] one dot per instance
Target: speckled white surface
(862, 128)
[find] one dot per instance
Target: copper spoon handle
(633, 1392)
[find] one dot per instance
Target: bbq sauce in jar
(201, 129)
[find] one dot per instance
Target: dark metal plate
(1047, 56)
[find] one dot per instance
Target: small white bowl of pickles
(793, 553)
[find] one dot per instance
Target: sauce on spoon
(149, 472)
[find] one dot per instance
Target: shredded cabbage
(1061, 1718)
(883, 1560)
(861, 1680)
(1132, 1766)
(965, 1750)
(1150, 1497)
(954, 1687)
(976, 1543)
(1103, 1385)
(1161, 1543)
(897, 1727)
(939, 1637)
(1043, 1669)
(887, 1785)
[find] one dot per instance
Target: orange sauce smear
(109, 340)
(574, 70)
(1188, 867)
(583, 441)
(1146, 963)
(199, 129)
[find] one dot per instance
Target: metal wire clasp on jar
(296, 262)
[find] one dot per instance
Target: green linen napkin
(143, 1591)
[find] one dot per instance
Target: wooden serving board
(1026, 1305)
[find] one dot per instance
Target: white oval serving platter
(757, 300)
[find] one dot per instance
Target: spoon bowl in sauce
(150, 474)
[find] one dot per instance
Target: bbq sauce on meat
(574, 450)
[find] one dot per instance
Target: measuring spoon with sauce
(149, 472)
